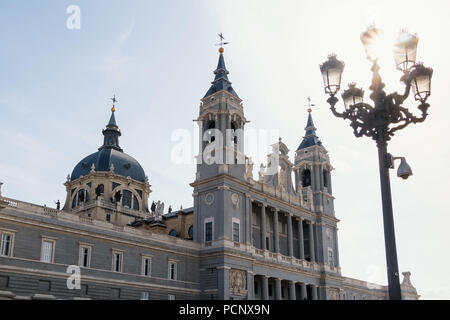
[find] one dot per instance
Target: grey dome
(124, 164)
(110, 153)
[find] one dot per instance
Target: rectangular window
(172, 270)
(108, 217)
(171, 297)
(6, 244)
(85, 256)
(47, 250)
(144, 295)
(209, 230)
(117, 261)
(146, 266)
(236, 231)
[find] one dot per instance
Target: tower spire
(310, 138)
(221, 81)
(112, 132)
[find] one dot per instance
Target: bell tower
(313, 181)
(221, 205)
(313, 171)
(221, 128)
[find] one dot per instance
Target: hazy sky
(158, 58)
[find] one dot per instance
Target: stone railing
(29, 207)
(292, 198)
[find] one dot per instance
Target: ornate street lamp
(382, 119)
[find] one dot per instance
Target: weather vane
(221, 43)
(310, 104)
(114, 100)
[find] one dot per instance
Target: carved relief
(235, 200)
(238, 282)
(334, 294)
(209, 199)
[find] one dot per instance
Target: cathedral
(269, 238)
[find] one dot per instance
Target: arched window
(135, 203)
(306, 178)
(81, 196)
(211, 125)
(173, 233)
(126, 198)
(191, 232)
(325, 178)
(234, 127)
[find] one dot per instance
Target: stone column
(311, 242)
(303, 292)
(263, 227)
(276, 235)
(314, 292)
(301, 242)
(336, 247)
(265, 288)
(223, 274)
(248, 218)
(250, 286)
(292, 290)
(278, 295)
(290, 243)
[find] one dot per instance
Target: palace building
(273, 237)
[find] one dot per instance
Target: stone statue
(111, 168)
(58, 205)
(81, 197)
(1, 183)
(159, 210)
(170, 209)
(282, 178)
(93, 168)
(117, 196)
(261, 172)
(153, 207)
(99, 190)
(249, 168)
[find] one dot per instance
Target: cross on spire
(114, 100)
(310, 104)
(221, 43)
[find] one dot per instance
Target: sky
(157, 57)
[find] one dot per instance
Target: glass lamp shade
(421, 82)
(370, 39)
(352, 96)
(332, 73)
(405, 50)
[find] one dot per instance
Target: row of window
(125, 197)
(174, 233)
(306, 178)
(48, 255)
(209, 229)
(145, 295)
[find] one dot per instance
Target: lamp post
(383, 119)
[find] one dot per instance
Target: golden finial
(114, 100)
(309, 110)
(221, 50)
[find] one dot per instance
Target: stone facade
(270, 238)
